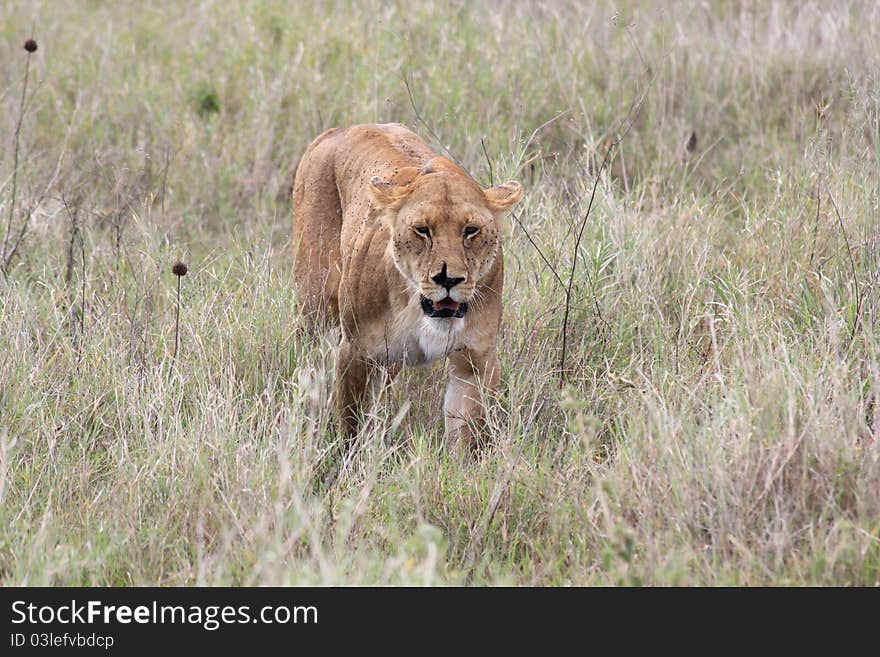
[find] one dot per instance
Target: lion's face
(445, 235)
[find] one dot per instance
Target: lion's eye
(423, 230)
(470, 231)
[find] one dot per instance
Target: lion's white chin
(438, 336)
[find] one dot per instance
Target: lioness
(403, 248)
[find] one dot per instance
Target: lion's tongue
(446, 304)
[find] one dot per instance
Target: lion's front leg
(353, 373)
(471, 377)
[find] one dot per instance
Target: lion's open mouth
(443, 308)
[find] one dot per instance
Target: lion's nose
(443, 280)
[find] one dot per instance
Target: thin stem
(489, 161)
(176, 329)
(577, 246)
(633, 114)
(27, 70)
(415, 109)
(852, 265)
(538, 249)
(816, 223)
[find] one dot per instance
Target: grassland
(718, 419)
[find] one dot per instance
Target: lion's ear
(503, 197)
(384, 192)
(391, 192)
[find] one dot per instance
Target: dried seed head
(30, 45)
(179, 269)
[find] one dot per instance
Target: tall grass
(719, 420)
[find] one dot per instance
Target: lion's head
(445, 231)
